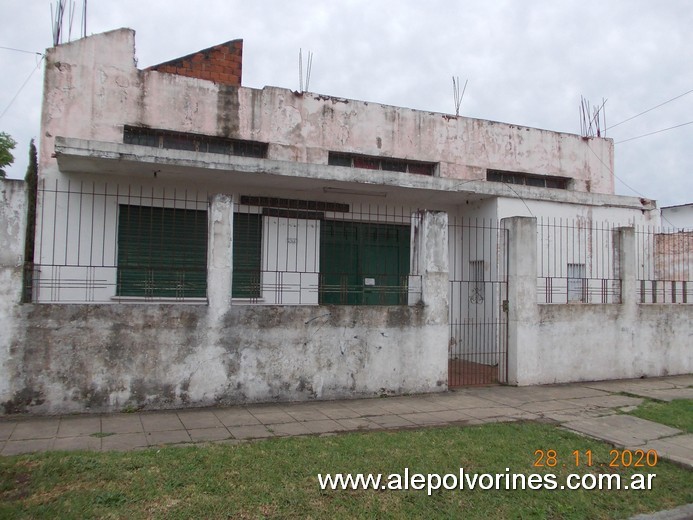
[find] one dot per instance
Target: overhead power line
(20, 50)
(649, 110)
(22, 87)
(655, 132)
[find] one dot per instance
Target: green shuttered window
(247, 255)
(162, 252)
(363, 263)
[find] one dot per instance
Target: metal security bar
(665, 265)
(102, 242)
(297, 252)
(576, 262)
(478, 308)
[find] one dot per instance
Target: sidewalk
(588, 408)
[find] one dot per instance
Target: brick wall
(222, 63)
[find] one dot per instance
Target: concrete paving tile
(340, 413)
(273, 417)
(608, 401)
(124, 441)
(622, 430)
(423, 405)
(422, 418)
(294, 428)
(499, 411)
(35, 429)
(236, 417)
(167, 437)
(358, 424)
(82, 442)
(123, 423)
(6, 429)
(307, 415)
(199, 419)
(264, 408)
(678, 449)
(75, 426)
(209, 434)
(450, 416)
(26, 446)
(573, 415)
(391, 421)
(258, 431)
(469, 401)
(324, 426)
(552, 405)
(158, 422)
(667, 394)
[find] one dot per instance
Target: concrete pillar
(625, 268)
(429, 250)
(522, 297)
(220, 254)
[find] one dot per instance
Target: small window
(527, 179)
(577, 284)
(380, 163)
(193, 142)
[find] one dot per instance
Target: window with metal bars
(162, 252)
(170, 139)
(527, 179)
(380, 163)
(247, 255)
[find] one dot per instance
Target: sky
(527, 63)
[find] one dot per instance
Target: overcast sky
(527, 63)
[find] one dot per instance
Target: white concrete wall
(13, 205)
(93, 88)
(680, 217)
(564, 343)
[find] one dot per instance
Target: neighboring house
(219, 243)
(679, 217)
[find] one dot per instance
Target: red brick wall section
(222, 63)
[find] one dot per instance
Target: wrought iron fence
(288, 251)
(102, 242)
(664, 265)
(477, 302)
(577, 261)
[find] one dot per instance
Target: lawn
(677, 413)
(277, 478)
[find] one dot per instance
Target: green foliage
(677, 413)
(277, 478)
(7, 144)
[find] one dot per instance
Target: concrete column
(429, 250)
(522, 298)
(625, 267)
(220, 254)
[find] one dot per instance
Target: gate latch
(505, 305)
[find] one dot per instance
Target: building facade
(200, 242)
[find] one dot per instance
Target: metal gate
(478, 348)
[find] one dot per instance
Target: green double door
(363, 263)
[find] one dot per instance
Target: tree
(6, 157)
(31, 179)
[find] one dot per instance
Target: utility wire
(624, 182)
(655, 132)
(648, 110)
(20, 50)
(22, 87)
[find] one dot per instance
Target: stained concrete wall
(78, 358)
(89, 358)
(93, 88)
(585, 342)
